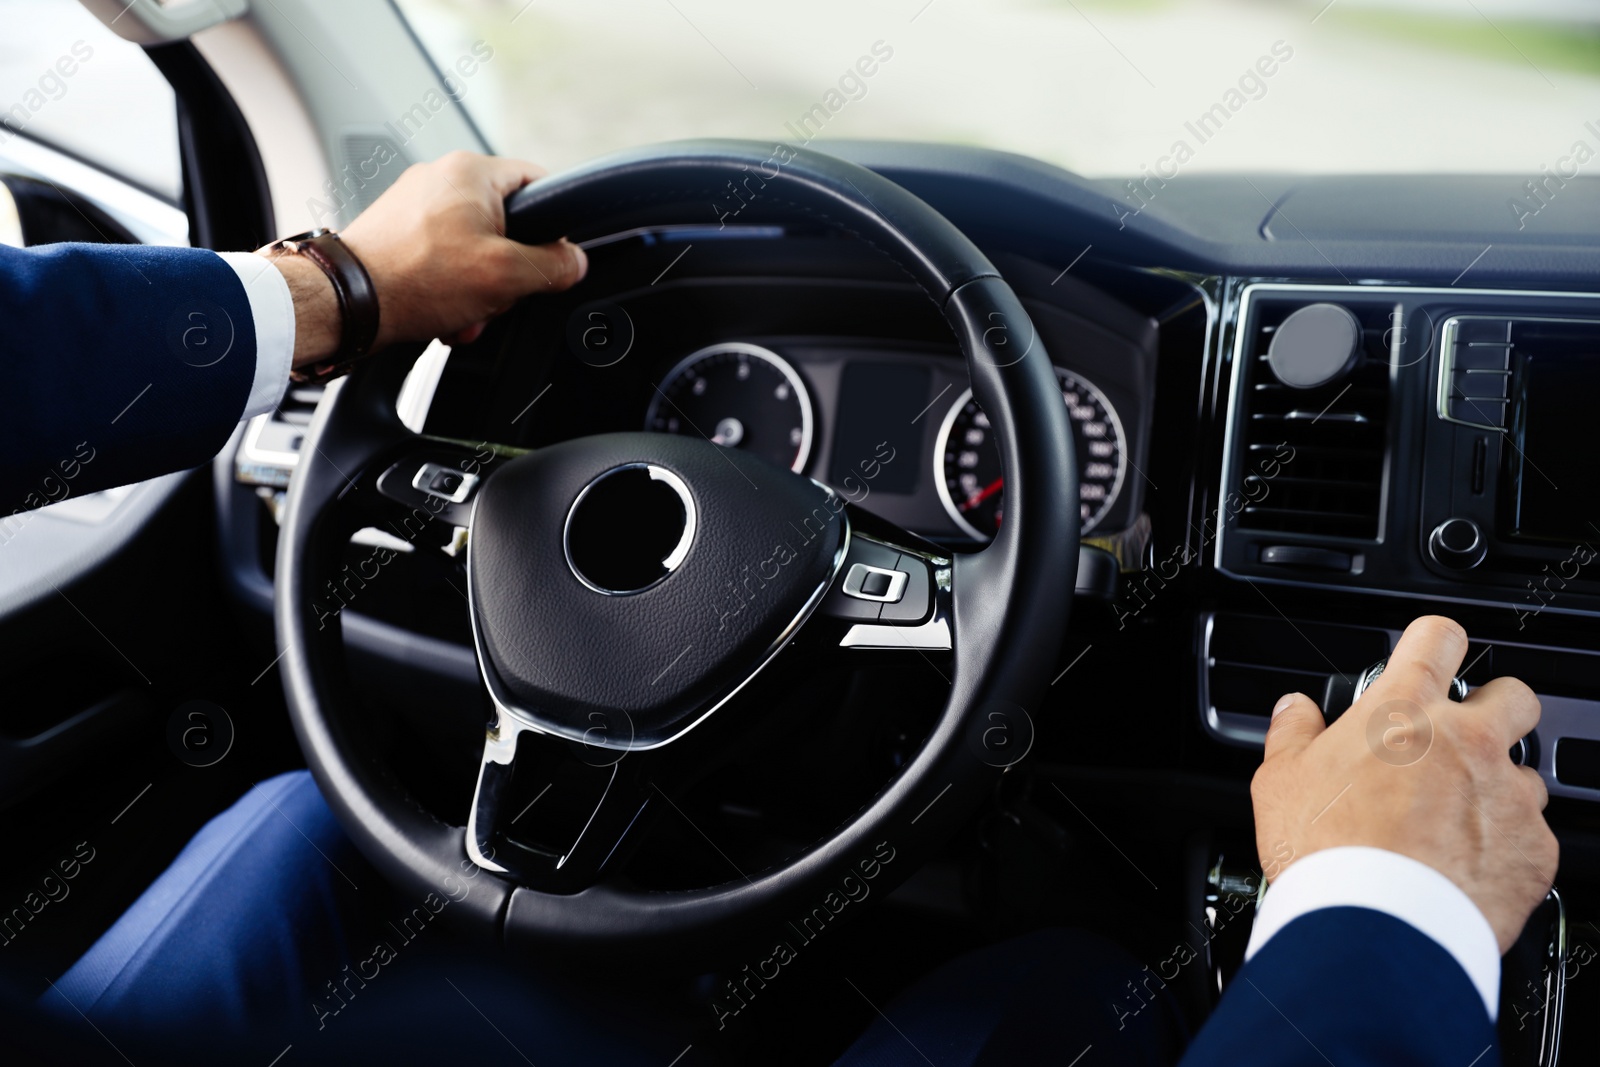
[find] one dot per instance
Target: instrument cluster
(814, 409)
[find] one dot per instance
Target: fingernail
(583, 260)
(1283, 705)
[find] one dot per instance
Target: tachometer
(739, 396)
(969, 477)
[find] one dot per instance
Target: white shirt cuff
(1356, 876)
(272, 308)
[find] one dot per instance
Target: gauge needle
(982, 494)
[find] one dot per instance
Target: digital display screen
(1556, 462)
(877, 405)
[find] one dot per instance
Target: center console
(1433, 447)
(1448, 457)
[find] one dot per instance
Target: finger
(1509, 705)
(1296, 722)
(1425, 660)
(1537, 783)
(505, 176)
(548, 268)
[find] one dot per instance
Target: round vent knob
(1457, 544)
(1315, 345)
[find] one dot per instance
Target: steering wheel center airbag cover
(564, 652)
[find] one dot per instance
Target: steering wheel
(635, 596)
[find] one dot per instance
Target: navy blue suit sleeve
(1348, 986)
(117, 363)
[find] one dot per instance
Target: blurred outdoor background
(1102, 87)
(1098, 86)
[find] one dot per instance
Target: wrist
(317, 323)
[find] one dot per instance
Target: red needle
(983, 494)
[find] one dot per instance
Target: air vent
(1311, 460)
(272, 442)
(1251, 660)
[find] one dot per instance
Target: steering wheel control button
(912, 605)
(866, 582)
(864, 557)
(1458, 544)
(629, 529)
(445, 483)
(1316, 345)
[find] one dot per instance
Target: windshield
(1102, 87)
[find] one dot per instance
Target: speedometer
(740, 396)
(969, 476)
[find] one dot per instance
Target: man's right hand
(1408, 770)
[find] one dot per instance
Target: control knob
(1458, 544)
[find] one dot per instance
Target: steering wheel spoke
(893, 593)
(560, 814)
(431, 478)
(415, 491)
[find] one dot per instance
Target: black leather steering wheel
(600, 572)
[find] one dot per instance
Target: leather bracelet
(357, 297)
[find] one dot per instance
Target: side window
(69, 82)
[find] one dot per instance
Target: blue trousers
(269, 936)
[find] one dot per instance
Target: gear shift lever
(1343, 690)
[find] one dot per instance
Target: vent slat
(1333, 482)
(1240, 665)
(1283, 481)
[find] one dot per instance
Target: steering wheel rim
(1008, 602)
